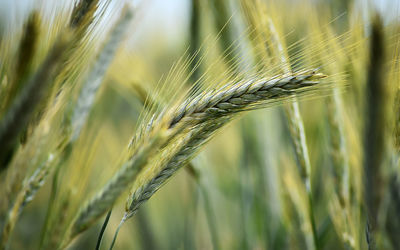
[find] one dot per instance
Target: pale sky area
(166, 19)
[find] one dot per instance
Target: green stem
(117, 231)
(103, 229)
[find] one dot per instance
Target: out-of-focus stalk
(375, 132)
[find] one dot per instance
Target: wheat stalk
(295, 123)
(298, 136)
(340, 159)
(375, 132)
(198, 118)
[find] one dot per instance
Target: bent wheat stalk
(199, 118)
(208, 112)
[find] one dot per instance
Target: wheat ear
(105, 198)
(26, 52)
(339, 155)
(20, 113)
(23, 107)
(338, 144)
(97, 73)
(207, 112)
(30, 188)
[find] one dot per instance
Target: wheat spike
(208, 112)
(105, 198)
(97, 73)
(244, 96)
(26, 53)
(30, 188)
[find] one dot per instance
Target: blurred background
(243, 191)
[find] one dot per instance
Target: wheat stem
(117, 231)
(103, 229)
(195, 35)
(374, 140)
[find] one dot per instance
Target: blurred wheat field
(247, 124)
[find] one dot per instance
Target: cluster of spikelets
(53, 70)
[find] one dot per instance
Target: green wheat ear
(21, 110)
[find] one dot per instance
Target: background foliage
(318, 171)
